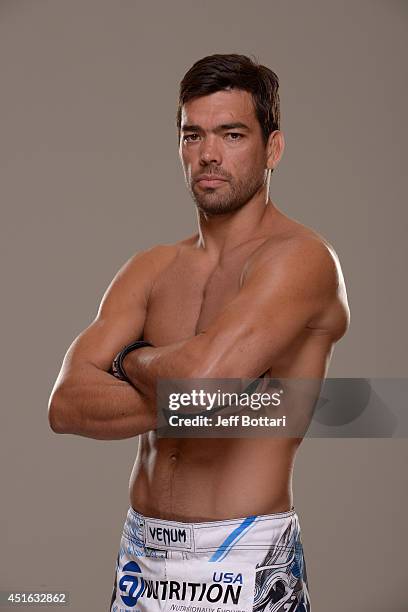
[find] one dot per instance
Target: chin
(217, 208)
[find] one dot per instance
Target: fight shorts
(238, 565)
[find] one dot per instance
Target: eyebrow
(224, 126)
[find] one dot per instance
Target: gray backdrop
(90, 174)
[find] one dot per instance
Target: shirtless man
(252, 292)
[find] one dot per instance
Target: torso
(214, 479)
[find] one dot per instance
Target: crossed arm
(278, 299)
(280, 296)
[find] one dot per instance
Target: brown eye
(190, 137)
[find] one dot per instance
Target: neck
(219, 234)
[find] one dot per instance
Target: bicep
(119, 320)
(269, 313)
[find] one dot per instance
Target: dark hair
(218, 72)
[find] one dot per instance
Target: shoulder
(153, 262)
(162, 253)
(153, 258)
(297, 256)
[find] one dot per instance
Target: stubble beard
(226, 199)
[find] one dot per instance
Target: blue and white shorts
(239, 565)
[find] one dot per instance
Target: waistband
(251, 532)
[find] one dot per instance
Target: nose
(210, 152)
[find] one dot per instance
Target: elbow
(57, 414)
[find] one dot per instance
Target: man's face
(221, 137)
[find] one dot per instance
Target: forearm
(146, 365)
(97, 405)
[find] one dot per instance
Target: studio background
(90, 174)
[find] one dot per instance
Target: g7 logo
(129, 584)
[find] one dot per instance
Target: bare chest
(188, 296)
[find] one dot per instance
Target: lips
(210, 180)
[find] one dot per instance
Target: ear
(274, 149)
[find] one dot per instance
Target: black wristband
(117, 364)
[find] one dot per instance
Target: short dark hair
(224, 71)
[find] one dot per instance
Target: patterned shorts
(239, 565)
